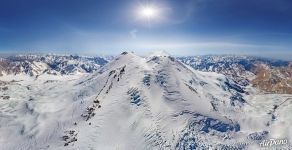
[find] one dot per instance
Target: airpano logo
(273, 142)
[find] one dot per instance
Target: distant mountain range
(35, 65)
(268, 75)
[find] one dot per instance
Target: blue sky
(182, 27)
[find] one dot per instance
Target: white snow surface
(143, 103)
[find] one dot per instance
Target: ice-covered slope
(138, 103)
(149, 103)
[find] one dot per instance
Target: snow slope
(139, 103)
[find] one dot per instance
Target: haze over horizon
(191, 27)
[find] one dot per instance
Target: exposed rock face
(268, 75)
(273, 79)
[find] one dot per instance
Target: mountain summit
(159, 53)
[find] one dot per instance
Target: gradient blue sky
(184, 27)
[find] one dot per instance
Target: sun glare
(148, 12)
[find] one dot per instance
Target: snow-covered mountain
(268, 75)
(35, 65)
(135, 102)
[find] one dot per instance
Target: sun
(148, 12)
